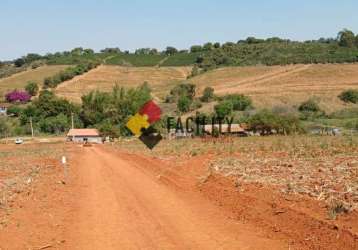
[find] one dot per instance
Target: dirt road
(118, 204)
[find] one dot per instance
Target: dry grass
(20, 167)
(19, 80)
(325, 168)
(284, 85)
(160, 79)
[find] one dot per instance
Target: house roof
(83, 132)
(235, 128)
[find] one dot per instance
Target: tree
(29, 58)
(170, 50)
(77, 51)
(350, 95)
(18, 96)
(217, 45)
(208, 46)
(183, 89)
(55, 124)
(19, 62)
(101, 109)
(266, 121)
(346, 38)
(32, 88)
(88, 51)
(4, 128)
(224, 108)
(240, 102)
(196, 48)
(184, 103)
(309, 106)
(208, 94)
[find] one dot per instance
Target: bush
(208, 95)
(183, 89)
(32, 88)
(17, 96)
(349, 96)
(240, 102)
(266, 121)
(309, 106)
(55, 124)
(224, 108)
(184, 103)
(14, 110)
(19, 62)
(4, 127)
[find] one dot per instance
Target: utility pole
(72, 123)
(32, 129)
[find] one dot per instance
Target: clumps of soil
(326, 176)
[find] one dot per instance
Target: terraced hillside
(284, 85)
(160, 79)
(268, 85)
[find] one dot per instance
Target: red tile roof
(83, 132)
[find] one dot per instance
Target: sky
(42, 26)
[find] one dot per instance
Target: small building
(84, 135)
(235, 129)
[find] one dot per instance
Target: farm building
(84, 135)
(225, 129)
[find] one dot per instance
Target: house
(84, 135)
(235, 129)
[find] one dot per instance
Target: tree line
(250, 51)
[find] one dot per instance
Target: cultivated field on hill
(103, 78)
(268, 85)
(19, 80)
(284, 85)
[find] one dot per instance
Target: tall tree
(346, 38)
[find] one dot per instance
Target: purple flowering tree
(18, 96)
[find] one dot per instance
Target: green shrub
(184, 103)
(32, 88)
(309, 106)
(224, 108)
(349, 96)
(266, 121)
(208, 95)
(14, 110)
(240, 102)
(183, 89)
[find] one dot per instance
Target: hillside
(19, 80)
(284, 85)
(267, 85)
(105, 77)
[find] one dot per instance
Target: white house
(84, 135)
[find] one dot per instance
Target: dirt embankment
(300, 221)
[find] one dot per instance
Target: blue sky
(42, 26)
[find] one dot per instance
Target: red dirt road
(120, 205)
